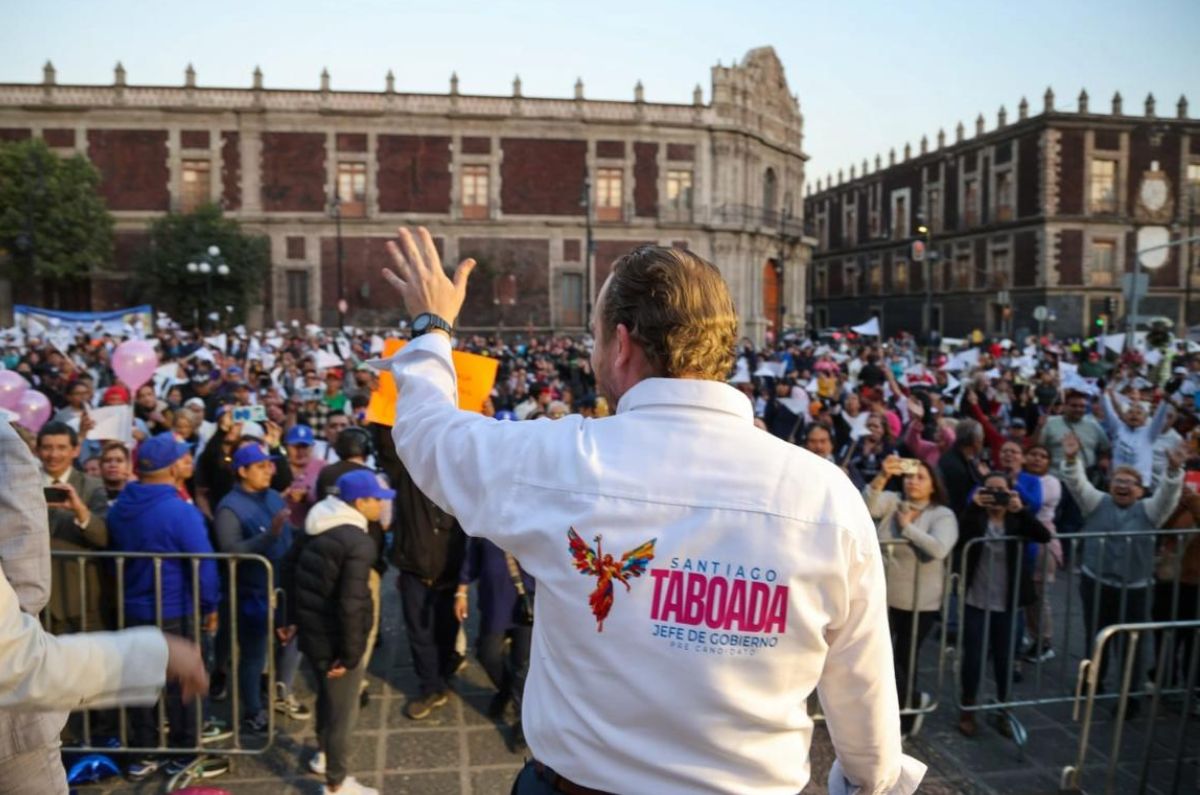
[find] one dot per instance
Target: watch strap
(434, 322)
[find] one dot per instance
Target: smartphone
(55, 494)
(996, 496)
(909, 466)
(254, 413)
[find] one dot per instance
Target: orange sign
(476, 377)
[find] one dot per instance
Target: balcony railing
(746, 216)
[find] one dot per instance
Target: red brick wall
(59, 137)
(133, 168)
(1070, 257)
(1109, 140)
(571, 251)
(645, 180)
(476, 146)
(127, 247)
(1029, 169)
(363, 259)
(231, 170)
(15, 134)
(608, 252)
(610, 149)
(194, 139)
(293, 172)
(542, 177)
(1025, 259)
(528, 259)
(352, 142)
(681, 152)
(981, 266)
(414, 173)
(1070, 178)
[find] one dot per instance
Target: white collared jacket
(697, 580)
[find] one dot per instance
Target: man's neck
(61, 474)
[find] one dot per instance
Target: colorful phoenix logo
(594, 563)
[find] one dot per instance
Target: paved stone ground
(460, 751)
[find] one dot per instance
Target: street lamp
(335, 209)
(206, 264)
(585, 202)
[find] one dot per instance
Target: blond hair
(677, 307)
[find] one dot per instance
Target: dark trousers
(1186, 607)
(1102, 608)
(908, 629)
(337, 714)
(998, 644)
(432, 629)
(507, 672)
(143, 721)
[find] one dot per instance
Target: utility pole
(1193, 199)
(336, 208)
(590, 244)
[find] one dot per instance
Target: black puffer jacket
(326, 583)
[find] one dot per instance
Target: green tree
(161, 275)
(54, 226)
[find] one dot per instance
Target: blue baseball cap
(160, 451)
(249, 454)
(362, 484)
(299, 434)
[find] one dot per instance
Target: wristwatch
(427, 322)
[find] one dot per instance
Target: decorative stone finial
(697, 95)
(1117, 103)
(864, 168)
(840, 178)
(119, 75)
(324, 79)
(517, 86)
(49, 75)
(389, 82)
(1001, 117)
(907, 151)
(941, 137)
(258, 83)
(852, 175)
(454, 84)
(579, 88)
(639, 92)
(1083, 101)
(189, 77)
(1023, 109)
(1048, 100)
(878, 162)
(959, 133)
(891, 157)
(979, 125)
(1181, 107)
(924, 144)
(1150, 106)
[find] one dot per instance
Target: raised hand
(1070, 445)
(420, 279)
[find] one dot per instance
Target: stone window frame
(850, 218)
(1092, 241)
(1116, 160)
(901, 227)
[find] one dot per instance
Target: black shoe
(218, 688)
(256, 725)
(420, 708)
(498, 704)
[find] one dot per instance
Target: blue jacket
(154, 518)
(498, 597)
(243, 524)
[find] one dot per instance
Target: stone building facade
(501, 179)
(1040, 210)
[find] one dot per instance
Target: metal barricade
(116, 565)
(1088, 603)
(1166, 758)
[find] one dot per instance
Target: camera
(996, 496)
(255, 413)
(909, 466)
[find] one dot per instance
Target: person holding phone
(916, 571)
(993, 591)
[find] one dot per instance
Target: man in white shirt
(690, 598)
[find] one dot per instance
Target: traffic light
(1101, 321)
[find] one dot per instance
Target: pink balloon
(134, 362)
(12, 385)
(33, 409)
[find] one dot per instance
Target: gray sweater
(912, 577)
(1124, 560)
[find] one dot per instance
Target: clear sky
(870, 74)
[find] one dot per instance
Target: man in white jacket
(697, 579)
(43, 673)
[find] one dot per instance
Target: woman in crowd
(916, 570)
(867, 454)
(993, 588)
(1044, 559)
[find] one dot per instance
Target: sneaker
(350, 786)
(197, 767)
(316, 763)
(1003, 724)
(256, 725)
(919, 719)
(419, 708)
(142, 768)
(286, 703)
(218, 686)
(1045, 655)
(214, 731)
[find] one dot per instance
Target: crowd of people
(262, 443)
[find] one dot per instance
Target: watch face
(421, 323)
